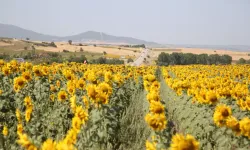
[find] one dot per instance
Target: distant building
(19, 60)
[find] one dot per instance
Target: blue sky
(211, 22)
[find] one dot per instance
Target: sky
(198, 22)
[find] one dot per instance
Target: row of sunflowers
(157, 120)
(64, 106)
(222, 89)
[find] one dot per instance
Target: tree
(175, 59)
(241, 61)
(130, 60)
(214, 59)
(225, 59)
(53, 44)
(202, 59)
(27, 39)
(70, 42)
(163, 59)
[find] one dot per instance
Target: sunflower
(19, 128)
(105, 88)
(245, 127)
(49, 144)
(73, 103)
(153, 96)
(25, 142)
(64, 145)
(68, 75)
(76, 123)
(156, 107)
(179, 142)
(6, 71)
(19, 83)
(27, 101)
(81, 114)
(62, 96)
(52, 97)
(155, 86)
(211, 97)
(1, 62)
(58, 84)
(71, 90)
(85, 101)
(37, 71)
(28, 113)
(52, 88)
(150, 146)
(157, 122)
(18, 115)
(103, 98)
(108, 76)
(92, 91)
(5, 131)
(71, 135)
(232, 123)
(81, 84)
(27, 76)
(222, 112)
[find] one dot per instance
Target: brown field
(113, 51)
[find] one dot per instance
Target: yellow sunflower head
(62, 96)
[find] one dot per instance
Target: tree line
(165, 59)
(243, 61)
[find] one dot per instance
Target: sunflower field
(69, 106)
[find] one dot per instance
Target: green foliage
(70, 42)
(130, 60)
(165, 59)
(197, 120)
(102, 60)
(80, 59)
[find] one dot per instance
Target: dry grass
(113, 51)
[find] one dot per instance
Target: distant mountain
(12, 31)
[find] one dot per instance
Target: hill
(12, 31)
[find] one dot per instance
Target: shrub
(70, 42)
(65, 51)
(130, 60)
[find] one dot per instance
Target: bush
(130, 60)
(70, 42)
(80, 44)
(53, 44)
(81, 50)
(80, 59)
(190, 58)
(104, 53)
(66, 51)
(102, 60)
